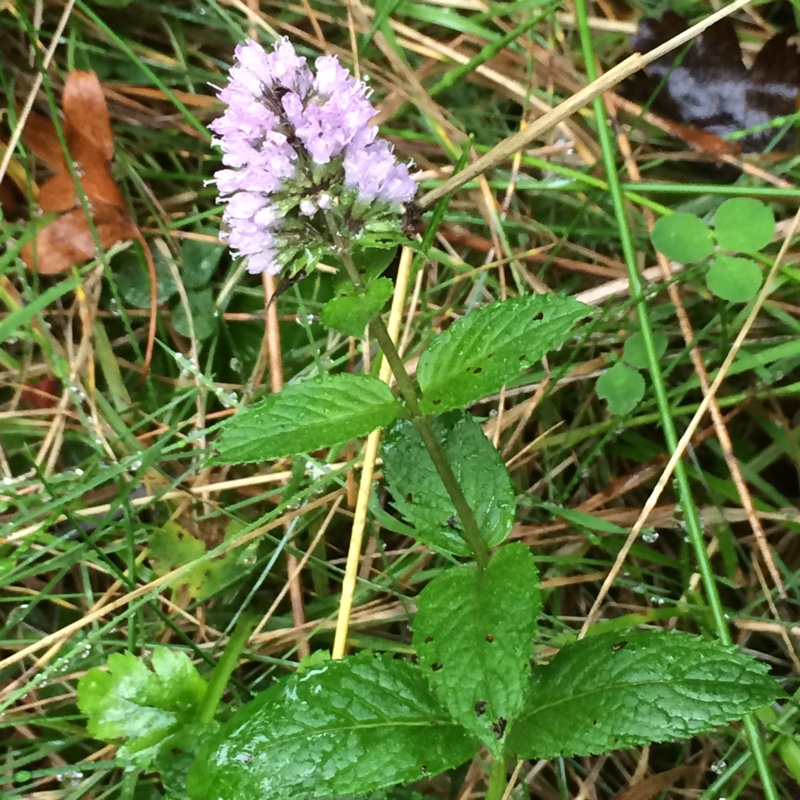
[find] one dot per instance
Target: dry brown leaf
(708, 87)
(73, 237)
(653, 785)
(10, 200)
(41, 139)
(68, 240)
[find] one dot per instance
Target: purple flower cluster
(298, 141)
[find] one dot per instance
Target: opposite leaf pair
(365, 723)
(473, 358)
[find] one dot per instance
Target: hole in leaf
(436, 666)
(499, 727)
(477, 370)
(437, 401)
(620, 645)
(409, 498)
(480, 708)
(428, 639)
(594, 722)
(538, 317)
(490, 637)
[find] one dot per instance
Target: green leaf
(350, 726)
(203, 310)
(420, 496)
(18, 316)
(474, 636)
(613, 691)
(478, 354)
(307, 416)
(173, 546)
(622, 387)
(634, 351)
(143, 706)
(744, 225)
(374, 261)
(176, 756)
(133, 280)
(735, 279)
(199, 259)
(682, 237)
(351, 314)
(584, 520)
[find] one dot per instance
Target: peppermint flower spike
(302, 167)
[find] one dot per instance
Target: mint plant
(306, 177)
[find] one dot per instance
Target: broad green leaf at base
(420, 496)
(474, 637)
(307, 416)
(349, 727)
(620, 690)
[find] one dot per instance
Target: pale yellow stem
(368, 470)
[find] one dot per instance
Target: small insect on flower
(303, 170)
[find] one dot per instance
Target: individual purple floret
(299, 153)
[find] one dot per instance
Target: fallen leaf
(10, 200)
(12, 188)
(73, 237)
(41, 139)
(655, 784)
(708, 87)
(68, 240)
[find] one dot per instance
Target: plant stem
(470, 531)
(497, 779)
(225, 666)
